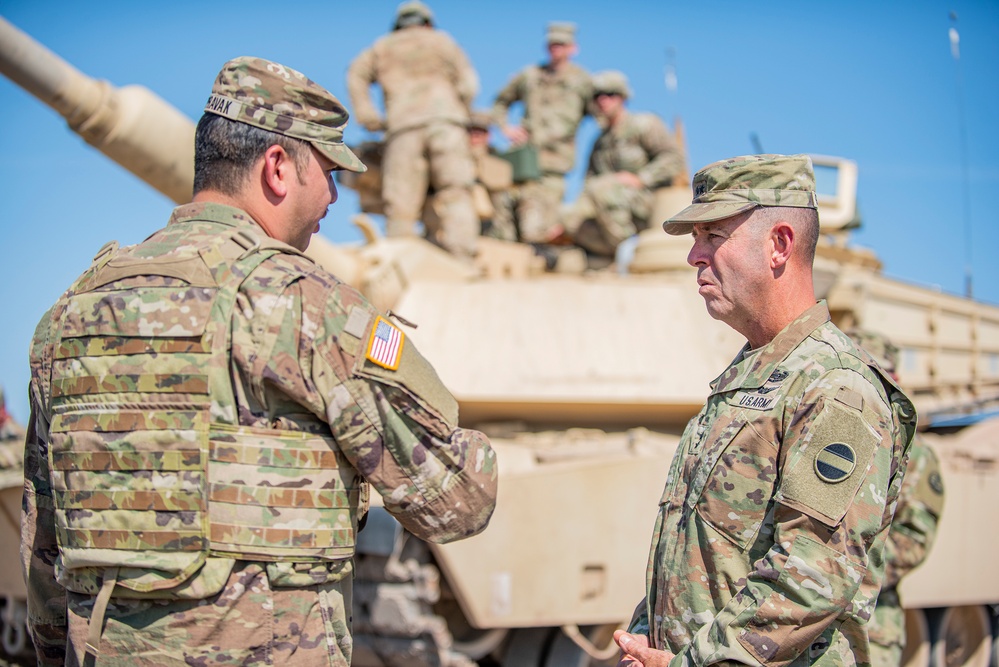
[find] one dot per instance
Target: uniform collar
(222, 214)
(755, 370)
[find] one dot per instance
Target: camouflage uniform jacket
(638, 143)
(913, 530)
(424, 75)
(298, 361)
(554, 105)
(769, 544)
(920, 505)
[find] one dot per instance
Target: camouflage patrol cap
(412, 12)
(738, 184)
(611, 82)
(273, 97)
(561, 32)
(479, 120)
(878, 346)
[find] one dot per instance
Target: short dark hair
(225, 150)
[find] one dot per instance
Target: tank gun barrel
(116, 121)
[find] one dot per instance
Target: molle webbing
(150, 471)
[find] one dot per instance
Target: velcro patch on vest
(385, 344)
(825, 470)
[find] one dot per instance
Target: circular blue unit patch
(835, 462)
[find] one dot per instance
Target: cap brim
(340, 155)
(684, 221)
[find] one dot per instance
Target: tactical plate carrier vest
(156, 486)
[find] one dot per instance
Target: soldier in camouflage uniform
(11, 439)
(209, 408)
(768, 548)
(556, 95)
(493, 180)
(920, 505)
(632, 157)
(428, 85)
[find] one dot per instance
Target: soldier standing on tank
(555, 96)
(209, 407)
(768, 548)
(493, 181)
(428, 85)
(632, 157)
(920, 505)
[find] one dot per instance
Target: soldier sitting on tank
(428, 84)
(209, 407)
(920, 505)
(633, 156)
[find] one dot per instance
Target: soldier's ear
(277, 168)
(781, 244)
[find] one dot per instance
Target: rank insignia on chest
(835, 462)
(385, 344)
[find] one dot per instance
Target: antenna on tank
(955, 51)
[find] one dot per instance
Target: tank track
(396, 585)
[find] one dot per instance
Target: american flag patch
(385, 344)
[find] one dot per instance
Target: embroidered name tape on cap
(385, 344)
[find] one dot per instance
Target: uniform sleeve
(665, 158)
(360, 76)
(46, 598)
(398, 427)
(920, 505)
(838, 455)
(510, 93)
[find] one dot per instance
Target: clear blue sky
(872, 81)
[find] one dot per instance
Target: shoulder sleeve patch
(411, 372)
(826, 472)
(385, 344)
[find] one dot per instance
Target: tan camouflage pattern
(255, 623)
(529, 211)
(555, 103)
(434, 157)
(297, 365)
(273, 97)
(729, 187)
(428, 85)
(608, 211)
(424, 75)
(756, 559)
(920, 505)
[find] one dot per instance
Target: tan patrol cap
(479, 120)
(738, 184)
(273, 97)
(561, 32)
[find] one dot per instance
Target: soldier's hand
(516, 134)
(372, 124)
(637, 652)
(629, 179)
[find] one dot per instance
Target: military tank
(584, 382)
